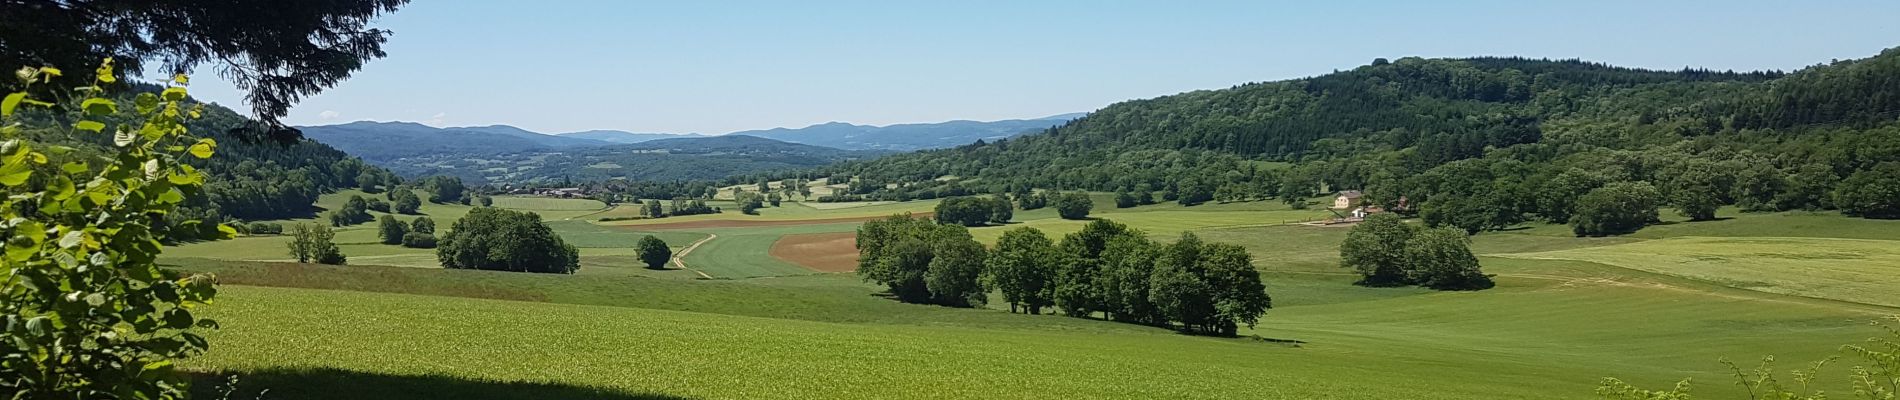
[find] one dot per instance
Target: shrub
(423, 225)
(378, 205)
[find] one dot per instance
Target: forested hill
(247, 180)
(908, 137)
(699, 158)
(1401, 129)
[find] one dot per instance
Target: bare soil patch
(740, 223)
(822, 252)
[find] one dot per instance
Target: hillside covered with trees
(1476, 143)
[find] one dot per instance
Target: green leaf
(185, 178)
(11, 102)
(95, 299)
(175, 94)
(16, 170)
(90, 125)
(70, 240)
(227, 231)
(203, 148)
(99, 106)
(172, 196)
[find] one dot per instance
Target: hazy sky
(720, 66)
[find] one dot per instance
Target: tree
(1615, 209)
(354, 211)
(1239, 295)
(1127, 266)
(1032, 200)
(312, 243)
(1193, 193)
(505, 240)
(654, 252)
(653, 209)
(1697, 188)
(1375, 248)
(423, 225)
(407, 202)
(486, 200)
(446, 189)
(966, 211)
(1486, 211)
(1001, 209)
(749, 203)
(1023, 268)
(1207, 287)
(90, 315)
(1441, 259)
(378, 205)
(774, 199)
(276, 52)
(901, 252)
(1557, 198)
(1073, 205)
(1124, 200)
(954, 275)
(369, 182)
(1873, 193)
(1077, 291)
(391, 230)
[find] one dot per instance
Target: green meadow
(1650, 308)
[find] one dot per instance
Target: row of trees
(1106, 269)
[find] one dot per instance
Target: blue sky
(721, 66)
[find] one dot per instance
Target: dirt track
(822, 252)
(740, 223)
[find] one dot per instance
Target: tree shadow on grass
(329, 383)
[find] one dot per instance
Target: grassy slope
(1550, 330)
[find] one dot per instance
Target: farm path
(679, 259)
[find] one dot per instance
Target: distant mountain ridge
(613, 136)
(909, 137)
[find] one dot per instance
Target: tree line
(1107, 270)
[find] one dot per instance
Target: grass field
(1651, 308)
(1856, 270)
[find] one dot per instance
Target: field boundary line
(679, 260)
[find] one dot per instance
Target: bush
(378, 205)
(505, 240)
(1615, 209)
(418, 240)
(654, 252)
(264, 228)
(1073, 205)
